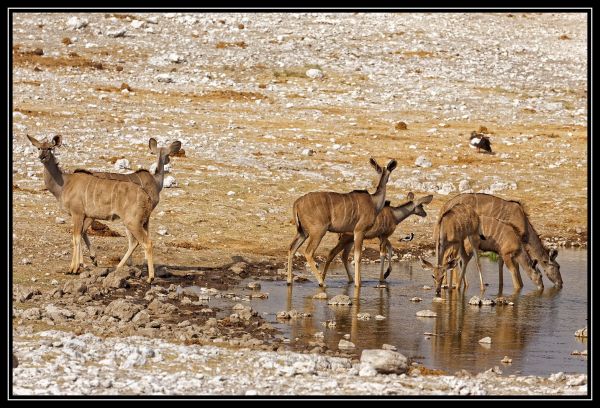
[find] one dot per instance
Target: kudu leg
(86, 224)
(465, 258)
(313, 242)
(77, 228)
(133, 244)
(475, 245)
(390, 253)
(341, 244)
(382, 257)
(130, 239)
(514, 270)
(358, 241)
(500, 274)
(296, 243)
(141, 234)
(345, 256)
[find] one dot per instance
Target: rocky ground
(58, 363)
(269, 107)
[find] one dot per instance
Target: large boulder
(384, 361)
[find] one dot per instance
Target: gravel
(61, 363)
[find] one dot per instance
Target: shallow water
(536, 332)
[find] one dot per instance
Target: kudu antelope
(316, 213)
(453, 227)
(85, 196)
(151, 183)
(513, 213)
(502, 239)
(385, 225)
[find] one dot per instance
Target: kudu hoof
(149, 280)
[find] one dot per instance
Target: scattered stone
(59, 220)
(162, 231)
(401, 126)
(58, 314)
(320, 295)
(164, 78)
(116, 33)
(308, 152)
(475, 300)
(506, 360)
(122, 309)
(346, 345)
(486, 340)
(416, 299)
(314, 73)
(487, 302)
(239, 268)
(425, 287)
(464, 186)
(26, 261)
(385, 361)
(76, 23)
(33, 313)
(25, 293)
(558, 377)
(389, 347)
(438, 299)
(343, 300)
(114, 281)
(422, 161)
(122, 164)
(577, 381)
(426, 313)
(283, 315)
(169, 182)
(581, 332)
(380, 317)
(363, 316)
(254, 285)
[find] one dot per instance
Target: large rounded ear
(57, 141)
(392, 165)
(34, 141)
(175, 146)
(375, 165)
(425, 200)
(153, 145)
(426, 265)
(553, 253)
(410, 196)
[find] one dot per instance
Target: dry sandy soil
(233, 88)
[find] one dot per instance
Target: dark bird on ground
(480, 141)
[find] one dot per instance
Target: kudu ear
(426, 265)
(175, 146)
(425, 200)
(57, 141)
(34, 141)
(392, 165)
(375, 165)
(553, 253)
(153, 145)
(410, 196)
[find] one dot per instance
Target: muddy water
(537, 332)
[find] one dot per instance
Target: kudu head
(46, 149)
(438, 272)
(416, 206)
(537, 275)
(163, 153)
(552, 268)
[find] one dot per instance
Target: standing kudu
(85, 196)
(385, 225)
(504, 240)
(151, 183)
(453, 227)
(318, 212)
(513, 213)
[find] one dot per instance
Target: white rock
(169, 182)
(59, 220)
(164, 78)
(380, 317)
(162, 231)
(340, 300)
(26, 261)
(117, 32)
(122, 164)
(231, 193)
(475, 300)
(558, 377)
(422, 161)
(251, 392)
(346, 345)
(389, 347)
(175, 58)
(384, 361)
(426, 313)
(75, 23)
(314, 73)
(446, 189)
(138, 24)
(416, 299)
(363, 316)
(464, 186)
(486, 340)
(581, 332)
(308, 152)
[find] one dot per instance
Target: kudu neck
(402, 211)
(53, 177)
(159, 174)
(379, 196)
